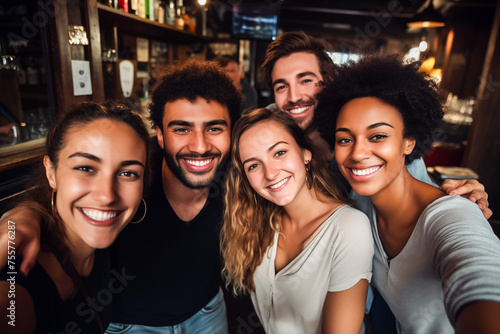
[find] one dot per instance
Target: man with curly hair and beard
(168, 265)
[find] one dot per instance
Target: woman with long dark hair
(95, 169)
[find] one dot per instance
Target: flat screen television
(255, 20)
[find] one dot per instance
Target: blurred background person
(232, 69)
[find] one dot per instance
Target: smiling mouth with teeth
(198, 163)
(363, 172)
(279, 184)
(99, 215)
(298, 110)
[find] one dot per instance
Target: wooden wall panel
(483, 149)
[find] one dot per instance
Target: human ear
(50, 172)
(409, 145)
(159, 137)
(307, 155)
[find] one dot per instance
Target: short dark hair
(412, 92)
(293, 42)
(191, 80)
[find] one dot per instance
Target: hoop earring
(308, 171)
(144, 215)
(53, 202)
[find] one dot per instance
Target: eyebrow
(269, 149)
(300, 75)
(99, 160)
(191, 124)
(373, 126)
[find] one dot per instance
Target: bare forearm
(20, 227)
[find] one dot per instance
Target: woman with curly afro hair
(437, 260)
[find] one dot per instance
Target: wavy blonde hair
(251, 221)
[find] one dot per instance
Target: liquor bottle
(161, 11)
(170, 12)
(132, 6)
(185, 17)
(192, 22)
(152, 12)
(179, 19)
(123, 5)
(141, 8)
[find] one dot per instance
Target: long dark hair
(39, 198)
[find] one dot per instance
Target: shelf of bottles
(25, 111)
(170, 21)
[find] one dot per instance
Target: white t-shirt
(338, 256)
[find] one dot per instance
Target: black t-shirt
(172, 267)
(73, 316)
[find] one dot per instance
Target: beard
(305, 121)
(183, 175)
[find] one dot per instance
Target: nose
(360, 151)
(198, 142)
(270, 171)
(105, 189)
(294, 93)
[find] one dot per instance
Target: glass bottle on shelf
(141, 8)
(179, 19)
(185, 17)
(132, 7)
(192, 21)
(123, 5)
(161, 11)
(170, 13)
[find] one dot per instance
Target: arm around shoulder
(20, 228)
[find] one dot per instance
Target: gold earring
(144, 215)
(53, 202)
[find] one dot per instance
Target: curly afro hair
(412, 92)
(191, 80)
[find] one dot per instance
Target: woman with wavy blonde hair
(289, 239)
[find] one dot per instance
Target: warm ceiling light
(428, 18)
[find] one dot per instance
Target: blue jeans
(211, 319)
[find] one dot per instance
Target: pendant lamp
(428, 18)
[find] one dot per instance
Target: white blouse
(339, 255)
